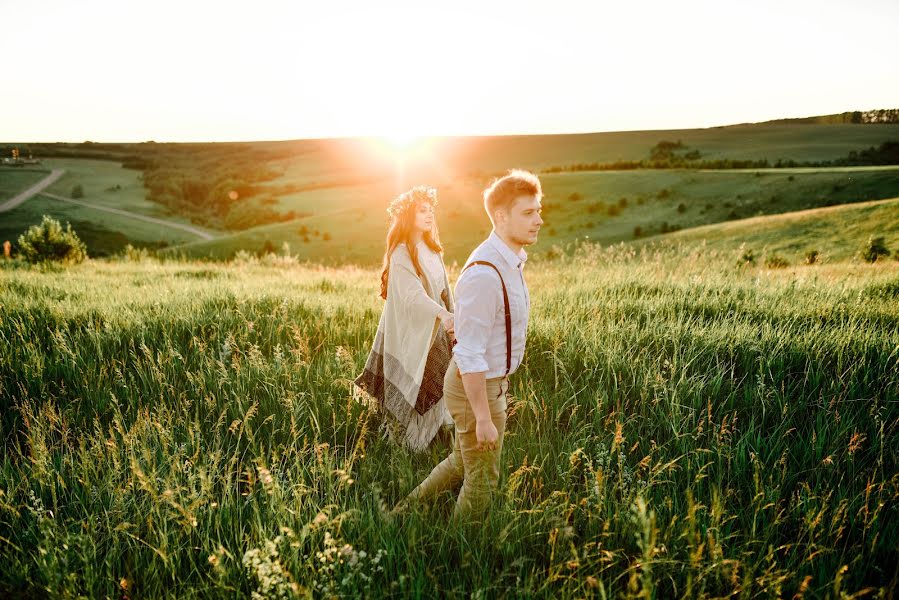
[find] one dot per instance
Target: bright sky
(185, 70)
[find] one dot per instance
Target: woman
(412, 346)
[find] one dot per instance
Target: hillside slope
(836, 232)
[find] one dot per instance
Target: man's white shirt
(480, 320)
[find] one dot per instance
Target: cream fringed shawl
(409, 357)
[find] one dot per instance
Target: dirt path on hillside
(37, 188)
(197, 232)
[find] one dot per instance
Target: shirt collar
(516, 261)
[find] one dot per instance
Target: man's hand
(475, 385)
(486, 434)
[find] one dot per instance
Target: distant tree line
(862, 117)
(675, 155)
(886, 154)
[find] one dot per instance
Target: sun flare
(401, 147)
(402, 142)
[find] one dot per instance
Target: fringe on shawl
(384, 379)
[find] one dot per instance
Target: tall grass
(680, 427)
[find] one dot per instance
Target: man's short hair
(503, 191)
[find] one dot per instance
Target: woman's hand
(449, 323)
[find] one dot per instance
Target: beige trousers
(477, 470)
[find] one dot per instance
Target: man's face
(522, 220)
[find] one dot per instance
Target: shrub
(613, 210)
(252, 213)
(747, 257)
(574, 196)
(874, 248)
(77, 191)
(638, 231)
(49, 242)
(663, 193)
(622, 202)
(775, 261)
(665, 227)
(132, 254)
(326, 237)
(811, 257)
(681, 208)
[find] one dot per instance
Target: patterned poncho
(409, 357)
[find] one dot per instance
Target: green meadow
(326, 198)
(680, 427)
(13, 181)
(700, 412)
(105, 184)
(607, 207)
(836, 233)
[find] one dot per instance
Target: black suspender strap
(508, 311)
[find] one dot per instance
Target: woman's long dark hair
(402, 212)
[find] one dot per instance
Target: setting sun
(402, 142)
(401, 147)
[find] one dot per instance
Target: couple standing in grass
(436, 361)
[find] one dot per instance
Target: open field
(837, 233)
(14, 180)
(326, 181)
(802, 142)
(318, 164)
(680, 427)
(577, 205)
(105, 184)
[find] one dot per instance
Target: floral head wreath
(406, 200)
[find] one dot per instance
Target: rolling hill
(326, 198)
(837, 233)
(606, 207)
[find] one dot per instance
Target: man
(488, 296)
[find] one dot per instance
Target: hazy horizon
(439, 136)
(278, 71)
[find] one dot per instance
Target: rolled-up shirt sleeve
(477, 299)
